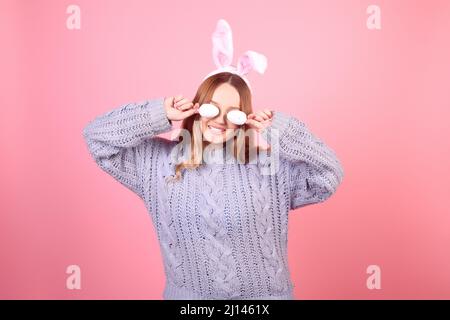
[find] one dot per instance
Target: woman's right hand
(179, 108)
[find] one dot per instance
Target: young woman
(222, 225)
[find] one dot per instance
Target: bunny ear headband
(223, 55)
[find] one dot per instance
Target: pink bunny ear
(222, 44)
(252, 60)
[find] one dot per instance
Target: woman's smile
(216, 129)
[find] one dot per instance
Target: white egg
(208, 110)
(237, 117)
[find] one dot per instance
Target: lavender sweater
(222, 228)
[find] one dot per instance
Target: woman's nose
(221, 117)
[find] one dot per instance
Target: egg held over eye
(237, 117)
(208, 110)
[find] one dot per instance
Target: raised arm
(314, 169)
(117, 138)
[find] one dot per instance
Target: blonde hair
(242, 144)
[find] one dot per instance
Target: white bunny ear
(222, 44)
(252, 60)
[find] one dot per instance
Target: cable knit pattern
(218, 246)
(262, 198)
(222, 228)
(169, 241)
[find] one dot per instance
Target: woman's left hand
(259, 120)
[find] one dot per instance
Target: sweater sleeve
(313, 168)
(117, 139)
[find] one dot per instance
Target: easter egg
(208, 110)
(237, 117)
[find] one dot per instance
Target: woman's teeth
(216, 130)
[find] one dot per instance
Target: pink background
(379, 98)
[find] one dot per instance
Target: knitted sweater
(222, 228)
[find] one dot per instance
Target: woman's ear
(222, 44)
